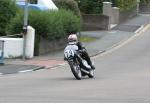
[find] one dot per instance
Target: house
(41, 5)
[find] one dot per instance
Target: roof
(33, 6)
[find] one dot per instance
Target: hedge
(33, 1)
(52, 25)
(49, 24)
(71, 5)
(90, 6)
(145, 1)
(95, 6)
(126, 5)
(8, 10)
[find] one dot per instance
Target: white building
(47, 3)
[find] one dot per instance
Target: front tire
(75, 68)
(91, 74)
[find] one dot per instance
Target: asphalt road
(122, 76)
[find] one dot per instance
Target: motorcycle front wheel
(75, 68)
(91, 74)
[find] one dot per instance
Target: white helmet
(72, 38)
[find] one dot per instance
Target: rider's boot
(92, 66)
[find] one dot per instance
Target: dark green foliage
(16, 24)
(51, 25)
(145, 1)
(90, 6)
(8, 10)
(71, 5)
(48, 24)
(33, 1)
(126, 5)
(95, 6)
(71, 23)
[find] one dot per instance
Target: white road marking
(125, 42)
(138, 30)
(24, 71)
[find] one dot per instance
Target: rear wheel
(83, 74)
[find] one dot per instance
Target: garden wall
(12, 47)
(95, 22)
(144, 8)
(47, 46)
(123, 16)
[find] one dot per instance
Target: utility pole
(25, 29)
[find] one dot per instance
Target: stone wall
(95, 22)
(123, 16)
(144, 8)
(47, 46)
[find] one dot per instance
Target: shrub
(71, 5)
(90, 6)
(126, 5)
(95, 6)
(51, 25)
(145, 1)
(48, 24)
(71, 23)
(33, 1)
(8, 10)
(16, 24)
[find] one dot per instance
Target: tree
(33, 1)
(8, 10)
(90, 6)
(145, 1)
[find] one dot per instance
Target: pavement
(105, 40)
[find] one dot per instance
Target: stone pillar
(30, 42)
(107, 10)
(137, 8)
(115, 15)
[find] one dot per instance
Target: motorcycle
(78, 64)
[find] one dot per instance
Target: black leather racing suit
(85, 54)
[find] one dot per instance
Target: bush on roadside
(33, 1)
(96, 6)
(90, 6)
(8, 10)
(52, 25)
(145, 1)
(48, 24)
(126, 5)
(71, 5)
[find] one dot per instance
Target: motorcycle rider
(73, 39)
